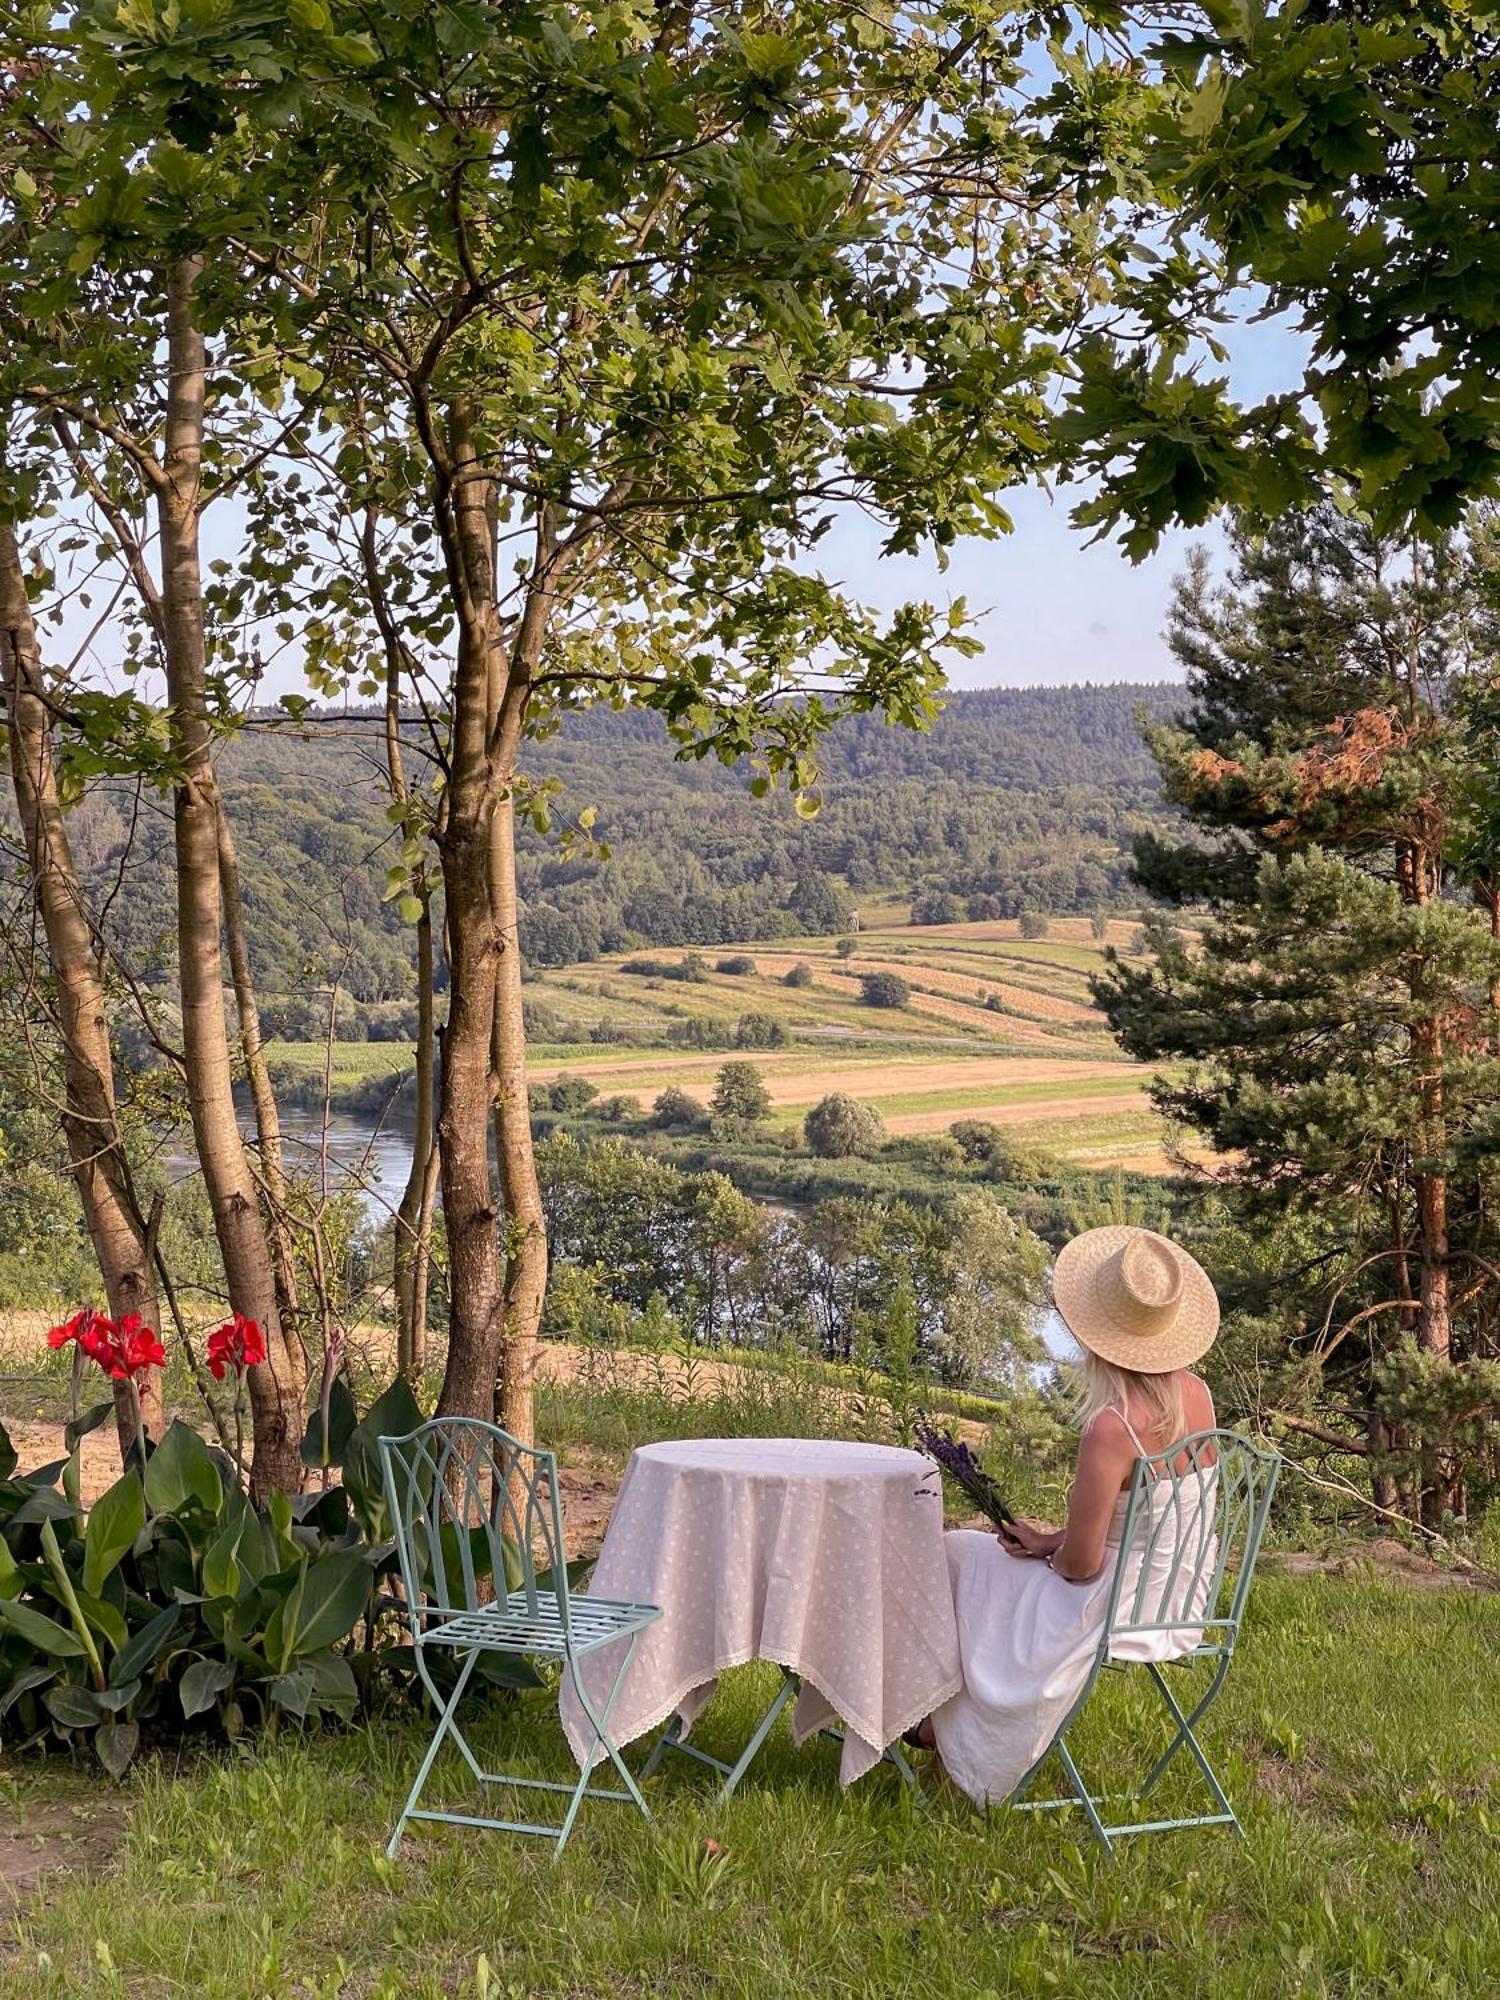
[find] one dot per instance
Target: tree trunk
(117, 1230)
(278, 1385)
(413, 1257)
(525, 1221)
(262, 1093)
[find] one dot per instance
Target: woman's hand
(1029, 1538)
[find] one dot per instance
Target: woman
(1032, 1601)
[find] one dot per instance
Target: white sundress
(1027, 1637)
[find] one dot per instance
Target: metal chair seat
(512, 1626)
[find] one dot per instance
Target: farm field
(997, 1027)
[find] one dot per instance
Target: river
(380, 1158)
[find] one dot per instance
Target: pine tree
(1338, 1014)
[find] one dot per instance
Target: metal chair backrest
(1190, 1540)
(470, 1506)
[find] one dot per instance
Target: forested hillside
(1017, 799)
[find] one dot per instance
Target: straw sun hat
(1135, 1299)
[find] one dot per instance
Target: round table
(826, 1557)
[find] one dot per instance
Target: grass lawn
(1359, 1733)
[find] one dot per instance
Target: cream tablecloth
(825, 1557)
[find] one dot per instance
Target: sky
(1052, 605)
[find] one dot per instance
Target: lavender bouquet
(955, 1458)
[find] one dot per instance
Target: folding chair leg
(1085, 1797)
(446, 1726)
(1184, 1729)
(600, 1723)
(671, 1739)
(1185, 1725)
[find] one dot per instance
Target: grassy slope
(1357, 1734)
(1371, 1796)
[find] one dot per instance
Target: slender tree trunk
(277, 1386)
(413, 1246)
(117, 1230)
(491, 1302)
(262, 1093)
(525, 1221)
(413, 1252)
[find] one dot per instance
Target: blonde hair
(1101, 1385)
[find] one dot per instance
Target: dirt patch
(1390, 1562)
(42, 1838)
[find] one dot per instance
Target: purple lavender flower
(955, 1458)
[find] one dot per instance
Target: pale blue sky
(1057, 607)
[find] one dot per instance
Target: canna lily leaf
(146, 1647)
(203, 1682)
(115, 1744)
(45, 1634)
(115, 1519)
(180, 1473)
(324, 1603)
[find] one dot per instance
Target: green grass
(1358, 1733)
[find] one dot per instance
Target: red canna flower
(239, 1344)
(123, 1348)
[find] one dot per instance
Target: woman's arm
(1106, 1456)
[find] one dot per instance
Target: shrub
(617, 1110)
(740, 1097)
(1099, 926)
(605, 1030)
(839, 1125)
(936, 906)
(1032, 924)
(697, 1033)
(569, 1093)
(760, 1031)
(738, 967)
(799, 975)
(977, 1140)
(676, 1111)
(173, 1604)
(883, 989)
(846, 947)
(995, 1004)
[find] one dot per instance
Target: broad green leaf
(12, 1583)
(394, 1414)
(293, 1692)
(342, 1421)
(58, 1642)
(324, 1604)
(115, 1744)
(23, 1683)
(107, 1619)
(203, 1682)
(222, 1573)
(145, 1647)
(180, 1473)
(115, 1519)
(73, 1707)
(8, 1459)
(80, 1427)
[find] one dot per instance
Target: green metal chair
(471, 1506)
(1205, 1540)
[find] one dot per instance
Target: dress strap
(1131, 1430)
